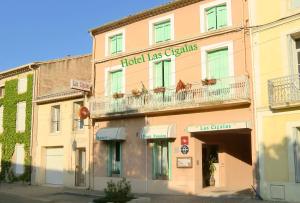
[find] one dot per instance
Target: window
(55, 118)
(161, 160)
(298, 54)
(116, 82)
(21, 117)
(116, 44)
(22, 85)
(215, 15)
(1, 119)
(2, 91)
(217, 63)
(114, 158)
(19, 162)
(297, 156)
(162, 73)
(78, 123)
(162, 31)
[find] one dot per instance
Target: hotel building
(172, 108)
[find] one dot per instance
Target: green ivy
(9, 138)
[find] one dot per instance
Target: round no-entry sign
(184, 149)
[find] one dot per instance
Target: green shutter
(119, 44)
(116, 82)
(217, 65)
(170, 159)
(167, 31)
(221, 16)
(158, 70)
(110, 156)
(167, 73)
(211, 18)
(162, 31)
(154, 160)
(113, 45)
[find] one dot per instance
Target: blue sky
(37, 30)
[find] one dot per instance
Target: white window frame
(51, 119)
(17, 118)
(107, 72)
(157, 20)
(204, 7)
(206, 49)
(107, 41)
(173, 70)
(22, 164)
(22, 89)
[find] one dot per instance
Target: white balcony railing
(225, 90)
(284, 91)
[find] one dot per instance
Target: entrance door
(210, 165)
(80, 167)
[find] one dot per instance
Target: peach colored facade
(235, 145)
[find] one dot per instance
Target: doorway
(210, 165)
(80, 166)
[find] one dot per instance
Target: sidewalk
(70, 195)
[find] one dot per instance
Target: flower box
(118, 95)
(159, 90)
(209, 81)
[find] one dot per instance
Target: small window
(162, 31)
(116, 82)
(162, 73)
(78, 123)
(216, 17)
(55, 118)
(217, 64)
(1, 120)
(114, 161)
(22, 85)
(21, 117)
(2, 91)
(160, 161)
(116, 44)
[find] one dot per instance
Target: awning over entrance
(105, 134)
(158, 132)
(218, 127)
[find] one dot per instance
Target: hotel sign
(80, 85)
(218, 127)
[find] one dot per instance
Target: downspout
(91, 123)
(32, 115)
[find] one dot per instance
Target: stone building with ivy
(16, 93)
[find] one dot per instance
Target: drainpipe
(146, 141)
(91, 125)
(32, 114)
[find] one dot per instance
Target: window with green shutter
(116, 81)
(116, 44)
(162, 31)
(216, 17)
(114, 158)
(217, 63)
(162, 74)
(161, 160)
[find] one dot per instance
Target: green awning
(105, 134)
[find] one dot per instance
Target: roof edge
(142, 15)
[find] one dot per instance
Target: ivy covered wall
(9, 138)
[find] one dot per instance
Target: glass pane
(298, 44)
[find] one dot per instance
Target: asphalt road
(7, 198)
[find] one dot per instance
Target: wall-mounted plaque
(184, 162)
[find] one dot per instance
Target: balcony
(284, 92)
(226, 92)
